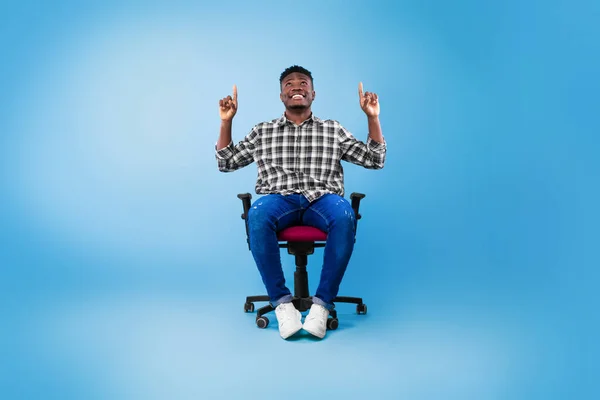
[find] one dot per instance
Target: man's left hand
(368, 102)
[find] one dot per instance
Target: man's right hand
(228, 106)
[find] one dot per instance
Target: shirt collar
(281, 121)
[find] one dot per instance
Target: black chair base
(301, 304)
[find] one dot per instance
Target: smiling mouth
(297, 97)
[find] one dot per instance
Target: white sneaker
(316, 321)
(290, 319)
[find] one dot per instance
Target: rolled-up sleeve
(370, 155)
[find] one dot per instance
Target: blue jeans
(330, 213)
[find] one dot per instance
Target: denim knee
(345, 222)
(257, 218)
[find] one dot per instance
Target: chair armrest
(245, 197)
(356, 198)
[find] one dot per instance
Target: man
(298, 158)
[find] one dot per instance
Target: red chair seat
(302, 234)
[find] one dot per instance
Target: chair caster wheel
(262, 322)
(332, 324)
(361, 309)
(248, 307)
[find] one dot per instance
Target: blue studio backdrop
(123, 261)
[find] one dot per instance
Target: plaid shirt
(303, 158)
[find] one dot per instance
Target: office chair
(300, 241)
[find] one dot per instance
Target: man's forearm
(224, 135)
(375, 129)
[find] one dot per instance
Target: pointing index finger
(360, 90)
(234, 93)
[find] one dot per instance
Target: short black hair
(295, 68)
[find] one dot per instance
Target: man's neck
(298, 117)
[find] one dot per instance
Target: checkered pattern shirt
(303, 158)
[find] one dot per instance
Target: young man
(300, 176)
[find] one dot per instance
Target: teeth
(297, 96)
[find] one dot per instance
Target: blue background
(123, 258)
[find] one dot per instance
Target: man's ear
(281, 96)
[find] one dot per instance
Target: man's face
(296, 91)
